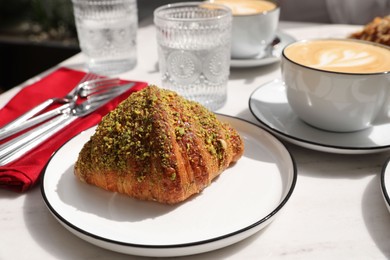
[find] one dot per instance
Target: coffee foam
(340, 56)
(247, 7)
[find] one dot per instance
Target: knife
(15, 148)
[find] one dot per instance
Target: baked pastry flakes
(158, 146)
(376, 31)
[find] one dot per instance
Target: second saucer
(273, 55)
(269, 105)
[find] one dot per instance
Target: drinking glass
(194, 41)
(107, 32)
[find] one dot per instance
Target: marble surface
(336, 211)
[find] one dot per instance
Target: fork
(83, 90)
(69, 97)
(22, 144)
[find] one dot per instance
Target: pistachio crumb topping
(137, 133)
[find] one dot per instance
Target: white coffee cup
(254, 26)
(336, 84)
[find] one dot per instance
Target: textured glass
(107, 32)
(194, 50)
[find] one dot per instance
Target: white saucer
(273, 53)
(268, 104)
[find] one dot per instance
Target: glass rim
(157, 12)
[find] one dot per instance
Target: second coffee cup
(254, 26)
(337, 84)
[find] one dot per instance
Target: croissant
(158, 146)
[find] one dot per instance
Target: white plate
(385, 183)
(269, 105)
(273, 53)
(240, 202)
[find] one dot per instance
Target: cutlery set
(89, 95)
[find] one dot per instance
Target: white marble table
(335, 212)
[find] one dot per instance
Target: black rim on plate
(202, 242)
(384, 188)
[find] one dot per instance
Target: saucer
(269, 105)
(273, 53)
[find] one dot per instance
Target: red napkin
(23, 173)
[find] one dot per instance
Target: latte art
(247, 7)
(340, 56)
(344, 58)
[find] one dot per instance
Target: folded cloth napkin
(23, 173)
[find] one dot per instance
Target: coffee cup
(337, 85)
(254, 26)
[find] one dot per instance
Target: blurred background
(34, 35)
(38, 34)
